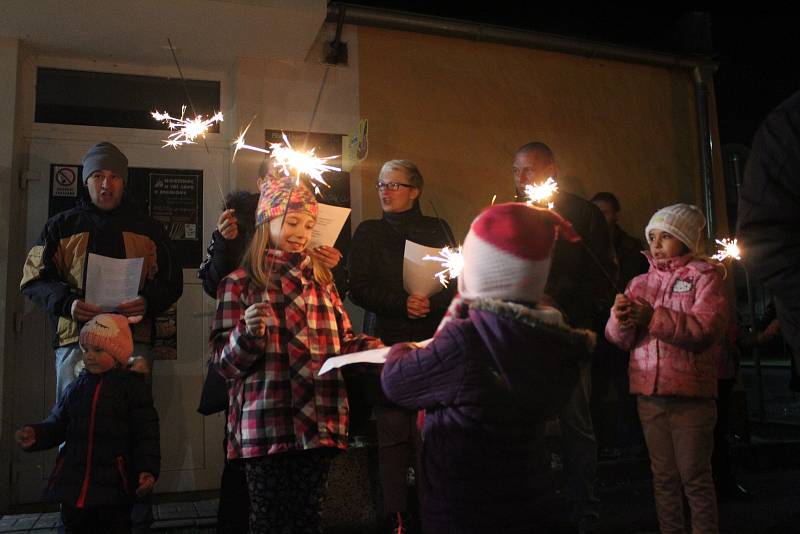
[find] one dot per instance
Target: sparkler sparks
(240, 144)
(186, 130)
(451, 260)
(291, 161)
(541, 194)
(728, 248)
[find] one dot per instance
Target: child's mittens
(641, 312)
(622, 309)
(146, 483)
(25, 437)
(138, 364)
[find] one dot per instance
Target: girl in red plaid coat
(278, 318)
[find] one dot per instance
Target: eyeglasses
(391, 186)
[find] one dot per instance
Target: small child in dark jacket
(109, 428)
(500, 364)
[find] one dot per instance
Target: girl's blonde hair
(258, 270)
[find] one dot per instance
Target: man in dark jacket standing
(611, 363)
(582, 291)
(54, 275)
(376, 284)
(769, 215)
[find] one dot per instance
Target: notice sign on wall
(174, 202)
(64, 181)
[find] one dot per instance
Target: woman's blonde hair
(258, 270)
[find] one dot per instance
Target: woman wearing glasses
(376, 284)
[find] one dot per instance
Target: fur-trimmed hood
(533, 350)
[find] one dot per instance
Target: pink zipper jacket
(679, 351)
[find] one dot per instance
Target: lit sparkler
(451, 260)
(186, 130)
(291, 161)
(728, 248)
(541, 194)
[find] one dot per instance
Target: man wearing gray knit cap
(108, 225)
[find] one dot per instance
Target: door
(191, 445)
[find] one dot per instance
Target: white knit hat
(508, 250)
(684, 221)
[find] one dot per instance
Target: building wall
(460, 109)
(9, 243)
(280, 95)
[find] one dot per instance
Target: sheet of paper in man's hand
(365, 356)
(330, 220)
(112, 281)
(419, 276)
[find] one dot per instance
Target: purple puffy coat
(487, 382)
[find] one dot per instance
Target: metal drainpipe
(702, 74)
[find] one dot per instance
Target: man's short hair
(538, 147)
(414, 176)
(605, 196)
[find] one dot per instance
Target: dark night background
(755, 50)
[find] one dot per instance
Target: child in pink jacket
(673, 319)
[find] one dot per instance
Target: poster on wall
(163, 332)
(64, 181)
(174, 197)
(173, 201)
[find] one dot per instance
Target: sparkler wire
(447, 235)
(305, 142)
(194, 112)
(597, 262)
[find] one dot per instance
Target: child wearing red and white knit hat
(497, 368)
(507, 255)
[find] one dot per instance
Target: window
(118, 100)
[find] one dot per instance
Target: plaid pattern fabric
(277, 402)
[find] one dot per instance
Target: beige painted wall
(460, 109)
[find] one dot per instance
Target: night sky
(757, 52)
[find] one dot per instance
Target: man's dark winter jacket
(629, 250)
(376, 274)
(576, 282)
(110, 432)
(54, 275)
(769, 214)
(487, 382)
